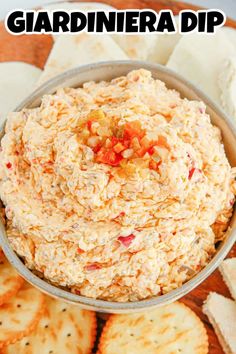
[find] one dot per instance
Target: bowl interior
(107, 71)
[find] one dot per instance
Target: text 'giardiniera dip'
(120, 21)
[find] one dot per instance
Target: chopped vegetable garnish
(80, 251)
(153, 165)
(126, 240)
(108, 157)
(133, 129)
(192, 171)
(127, 142)
(89, 125)
(9, 165)
(91, 267)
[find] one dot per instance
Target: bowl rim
(104, 305)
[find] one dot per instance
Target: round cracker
(169, 329)
(20, 315)
(63, 329)
(10, 280)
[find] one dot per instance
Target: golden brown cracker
(10, 280)
(169, 329)
(63, 329)
(20, 315)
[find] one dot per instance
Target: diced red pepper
(108, 157)
(80, 251)
(114, 140)
(141, 152)
(126, 240)
(153, 165)
(191, 172)
(9, 165)
(97, 148)
(91, 267)
(151, 150)
(122, 214)
(89, 125)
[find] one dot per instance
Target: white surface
(228, 6)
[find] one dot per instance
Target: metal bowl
(106, 71)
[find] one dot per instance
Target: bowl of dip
(117, 180)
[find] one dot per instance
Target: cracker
(64, 329)
(70, 51)
(201, 63)
(20, 315)
(17, 82)
(222, 315)
(169, 329)
(228, 271)
(10, 280)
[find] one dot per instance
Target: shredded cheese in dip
(117, 190)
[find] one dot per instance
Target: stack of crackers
(221, 311)
(32, 323)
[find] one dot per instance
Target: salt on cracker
(71, 51)
(169, 329)
(10, 280)
(222, 315)
(228, 271)
(63, 329)
(20, 315)
(200, 59)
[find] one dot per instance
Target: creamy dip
(117, 190)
